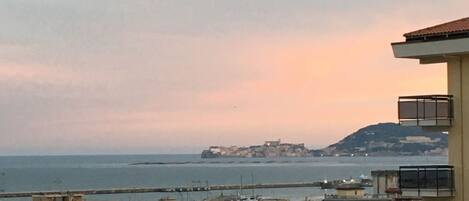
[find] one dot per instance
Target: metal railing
(426, 110)
(434, 180)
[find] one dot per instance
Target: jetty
(160, 189)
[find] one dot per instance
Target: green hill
(389, 139)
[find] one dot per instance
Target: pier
(161, 189)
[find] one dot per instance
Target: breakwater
(162, 189)
(224, 162)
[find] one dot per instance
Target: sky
(165, 76)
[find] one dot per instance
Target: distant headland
(269, 149)
(383, 139)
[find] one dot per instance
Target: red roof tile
(456, 26)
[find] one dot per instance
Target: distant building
(272, 143)
(58, 197)
(167, 199)
(350, 191)
(270, 149)
(215, 149)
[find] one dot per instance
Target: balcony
(426, 111)
(426, 181)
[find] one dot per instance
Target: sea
(44, 173)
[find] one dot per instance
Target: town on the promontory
(383, 139)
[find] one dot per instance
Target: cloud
(167, 76)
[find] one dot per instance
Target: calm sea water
(32, 173)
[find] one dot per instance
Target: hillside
(389, 139)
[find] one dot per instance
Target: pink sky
(134, 80)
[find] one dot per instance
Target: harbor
(161, 189)
(112, 178)
(318, 184)
(386, 185)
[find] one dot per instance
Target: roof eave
(431, 51)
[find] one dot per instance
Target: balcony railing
(427, 181)
(428, 110)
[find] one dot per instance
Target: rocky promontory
(268, 150)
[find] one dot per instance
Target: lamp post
(2, 180)
(325, 189)
(207, 187)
